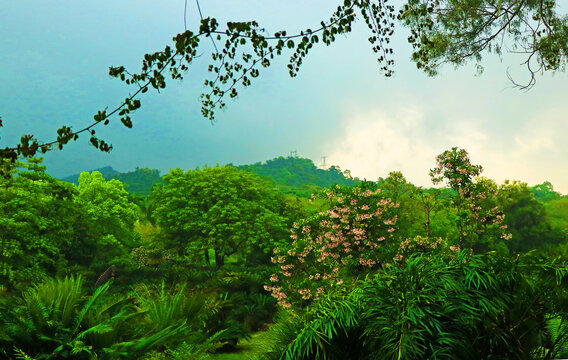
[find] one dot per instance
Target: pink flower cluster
(455, 167)
(335, 243)
(434, 247)
(476, 196)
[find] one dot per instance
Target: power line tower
(324, 165)
(294, 154)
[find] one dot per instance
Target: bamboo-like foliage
(427, 309)
(327, 330)
(472, 307)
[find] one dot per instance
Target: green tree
(37, 223)
(525, 217)
(219, 209)
(108, 221)
(406, 195)
(445, 31)
(478, 217)
(557, 213)
(545, 192)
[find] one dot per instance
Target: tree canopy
(109, 217)
(221, 210)
(37, 223)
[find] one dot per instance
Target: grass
(247, 350)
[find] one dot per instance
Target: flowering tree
(479, 219)
(355, 235)
(428, 247)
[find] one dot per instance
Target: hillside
(138, 182)
(290, 175)
(106, 171)
(298, 176)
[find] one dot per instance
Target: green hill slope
(290, 175)
(298, 176)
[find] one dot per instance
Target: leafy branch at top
(246, 49)
(441, 31)
(449, 31)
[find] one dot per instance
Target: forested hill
(138, 182)
(106, 171)
(298, 175)
(292, 175)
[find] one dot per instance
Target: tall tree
(545, 192)
(525, 217)
(221, 210)
(478, 217)
(109, 219)
(37, 223)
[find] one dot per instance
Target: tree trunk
(206, 254)
(219, 259)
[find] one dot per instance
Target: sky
(55, 56)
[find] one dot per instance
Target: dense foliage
(218, 211)
(212, 256)
(38, 224)
(138, 182)
(469, 307)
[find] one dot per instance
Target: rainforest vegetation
(233, 262)
(283, 260)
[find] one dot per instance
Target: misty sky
(55, 56)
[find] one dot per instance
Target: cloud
(375, 142)
(540, 134)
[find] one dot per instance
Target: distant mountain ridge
(106, 171)
(138, 182)
(290, 175)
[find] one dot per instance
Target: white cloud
(375, 142)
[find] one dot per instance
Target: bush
(469, 307)
(56, 319)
